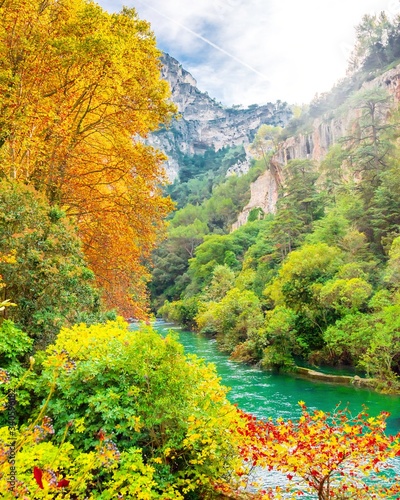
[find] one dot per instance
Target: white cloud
(259, 50)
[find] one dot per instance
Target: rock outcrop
(263, 194)
(326, 130)
(205, 123)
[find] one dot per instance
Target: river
(265, 394)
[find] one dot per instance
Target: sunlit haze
(254, 51)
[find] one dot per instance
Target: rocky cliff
(326, 130)
(263, 194)
(205, 123)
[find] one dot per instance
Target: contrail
(206, 40)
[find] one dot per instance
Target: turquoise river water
(266, 394)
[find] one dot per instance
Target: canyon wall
(205, 123)
(326, 130)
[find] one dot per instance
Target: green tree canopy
(50, 281)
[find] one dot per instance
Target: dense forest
(91, 408)
(318, 280)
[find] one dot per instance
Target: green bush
(141, 391)
(49, 281)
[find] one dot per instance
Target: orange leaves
(80, 88)
(332, 453)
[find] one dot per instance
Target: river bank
(356, 380)
(335, 379)
(267, 394)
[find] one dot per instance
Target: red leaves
(63, 483)
(101, 435)
(322, 446)
(38, 474)
(50, 479)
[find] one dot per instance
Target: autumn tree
(330, 455)
(149, 397)
(80, 88)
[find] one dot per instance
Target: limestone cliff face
(326, 130)
(206, 123)
(263, 194)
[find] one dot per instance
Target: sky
(257, 51)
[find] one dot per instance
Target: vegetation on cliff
(317, 279)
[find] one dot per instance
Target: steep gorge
(204, 123)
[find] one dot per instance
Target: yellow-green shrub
(140, 390)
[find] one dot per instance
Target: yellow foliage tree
(79, 90)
